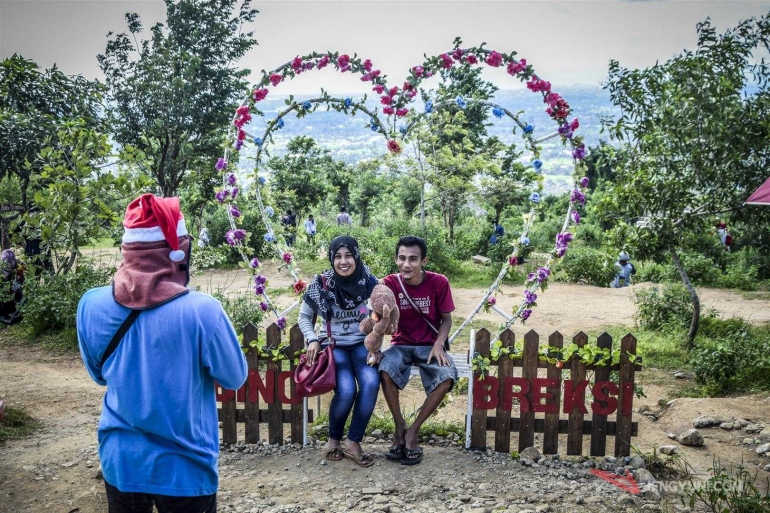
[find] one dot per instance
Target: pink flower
(457, 54)
(275, 79)
(446, 61)
(393, 91)
(299, 286)
(386, 100)
(296, 64)
(376, 73)
(260, 94)
(368, 65)
(378, 88)
(417, 70)
(517, 67)
(491, 302)
(494, 59)
(366, 77)
(394, 147)
(472, 59)
(343, 61)
(402, 112)
(243, 110)
(343, 69)
(323, 62)
(412, 93)
(574, 124)
(241, 135)
(388, 110)
(286, 258)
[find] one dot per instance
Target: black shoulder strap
(118, 337)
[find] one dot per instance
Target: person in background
(338, 297)
(289, 223)
(159, 348)
(12, 282)
(625, 270)
(724, 236)
(498, 231)
(203, 238)
(310, 229)
(343, 218)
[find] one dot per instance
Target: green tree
(697, 135)
(299, 178)
(368, 188)
(34, 103)
(172, 94)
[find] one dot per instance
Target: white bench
(464, 370)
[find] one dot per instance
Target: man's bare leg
(391, 392)
(428, 407)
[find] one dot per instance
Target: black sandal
(412, 456)
(396, 452)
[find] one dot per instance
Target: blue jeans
(357, 383)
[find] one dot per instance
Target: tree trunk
(422, 207)
(693, 296)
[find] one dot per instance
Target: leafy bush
(652, 271)
(658, 308)
(50, 304)
(210, 256)
(700, 269)
(738, 360)
(241, 310)
(727, 489)
(587, 265)
(737, 276)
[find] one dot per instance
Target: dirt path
(55, 469)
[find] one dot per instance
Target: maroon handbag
(321, 377)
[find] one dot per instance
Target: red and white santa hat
(151, 218)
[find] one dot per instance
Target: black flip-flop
(396, 452)
(412, 456)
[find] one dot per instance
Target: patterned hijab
(346, 292)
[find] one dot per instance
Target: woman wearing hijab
(338, 296)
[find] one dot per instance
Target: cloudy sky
(567, 41)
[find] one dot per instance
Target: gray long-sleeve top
(344, 324)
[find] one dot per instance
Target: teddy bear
(384, 319)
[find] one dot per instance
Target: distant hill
(349, 138)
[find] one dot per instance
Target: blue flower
(498, 112)
(262, 180)
(428, 107)
(279, 123)
(460, 101)
(348, 102)
(258, 141)
(269, 211)
(534, 197)
(402, 129)
(269, 237)
(524, 240)
(528, 129)
(306, 105)
(537, 164)
(374, 125)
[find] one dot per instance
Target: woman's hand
(373, 359)
(312, 352)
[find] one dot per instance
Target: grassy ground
(18, 424)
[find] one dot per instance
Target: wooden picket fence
(269, 384)
(551, 425)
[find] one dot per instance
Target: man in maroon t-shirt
(425, 303)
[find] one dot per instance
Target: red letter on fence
(266, 388)
(509, 394)
(539, 394)
(484, 399)
(222, 395)
(282, 377)
(603, 403)
(628, 398)
(575, 396)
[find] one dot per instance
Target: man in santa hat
(159, 348)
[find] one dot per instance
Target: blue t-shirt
(159, 432)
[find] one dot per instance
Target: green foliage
(210, 257)
(662, 466)
(171, 94)
(587, 265)
(18, 424)
(34, 103)
(727, 490)
(736, 358)
(50, 304)
(241, 310)
(653, 272)
(659, 308)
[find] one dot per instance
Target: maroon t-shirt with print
(433, 296)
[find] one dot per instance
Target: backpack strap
(118, 336)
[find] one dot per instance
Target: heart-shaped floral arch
(397, 102)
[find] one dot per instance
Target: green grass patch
(18, 424)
